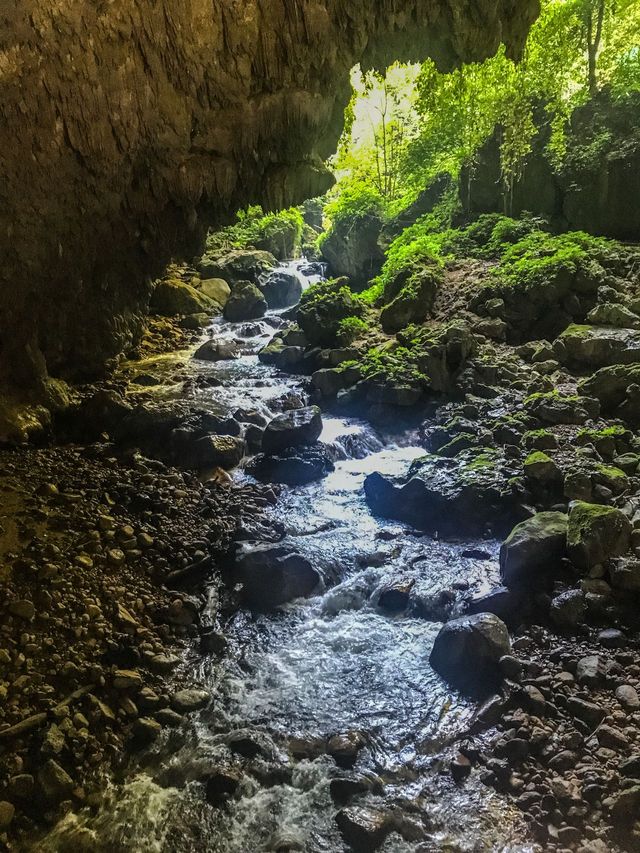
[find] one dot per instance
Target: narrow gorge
(319, 410)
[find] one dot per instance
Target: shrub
(350, 329)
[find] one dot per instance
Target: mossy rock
(596, 533)
(555, 408)
(410, 296)
(533, 551)
(598, 346)
(172, 297)
(323, 307)
(541, 468)
(540, 439)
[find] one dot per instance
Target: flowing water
(328, 665)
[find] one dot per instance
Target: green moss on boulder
(596, 533)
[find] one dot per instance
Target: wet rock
(460, 494)
(395, 597)
(553, 408)
(281, 289)
(145, 731)
(245, 303)
(294, 466)
(55, 782)
(460, 768)
(292, 428)
(274, 574)
(540, 469)
(467, 650)
(595, 533)
(630, 767)
(251, 744)
(532, 552)
(363, 828)
(189, 699)
(344, 748)
(222, 785)
(216, 351)
(344, 789)
(167, 717)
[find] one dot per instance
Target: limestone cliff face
(128, 126)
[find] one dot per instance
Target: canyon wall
(129, 126)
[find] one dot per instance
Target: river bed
(332, 664)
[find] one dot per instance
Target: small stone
(627, 696)
(590, 670)
(588, 712)
(163, 663)
(611, 638)
(167, 717)
(125, 679)
(189, 699)
(460, 767)
(222, 784)
(146, 730)
(7, 811)
(22, 608)
(363, 828)
(55, 782)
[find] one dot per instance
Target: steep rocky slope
(128, 127)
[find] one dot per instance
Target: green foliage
(393, 366)
(279, 232)
(541, 258)
(350, 329)
(323, 307)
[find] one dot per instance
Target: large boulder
(596, 533)
(239, 265)
(274, 574)
(281, 289)
(245, 303)
(213, 451)
(410, 297)
(351, 248)
(467, 650)
(216, 351)
(294, 466)
(291, 429)
(214, 288)
(533, 550)
(462, 494)
(172, 296)
(598, 346)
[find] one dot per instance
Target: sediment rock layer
(127, 127)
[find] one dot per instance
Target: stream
(332, 664)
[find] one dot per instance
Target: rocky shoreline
(103, 563)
